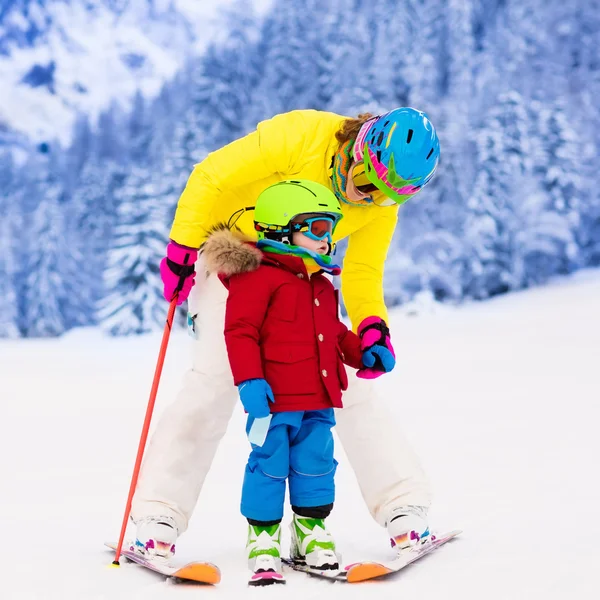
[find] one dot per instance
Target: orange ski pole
(146, 427)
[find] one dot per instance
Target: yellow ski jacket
(298, 144)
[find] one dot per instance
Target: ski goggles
(360, 180)
(315, 228)
(363, 185)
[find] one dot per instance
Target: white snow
(90, 44)
(499, 398)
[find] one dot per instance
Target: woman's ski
(200, 572)
(366, 570)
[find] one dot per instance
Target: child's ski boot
(312, 544)
(264, 554)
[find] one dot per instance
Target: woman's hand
(177, 272)
(378, 353)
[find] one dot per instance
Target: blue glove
(381, 356)
(255, 395)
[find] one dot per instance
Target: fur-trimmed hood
(228, 253)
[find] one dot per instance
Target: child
(287, 349)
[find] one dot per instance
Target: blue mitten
(255, 395)
(385, 360)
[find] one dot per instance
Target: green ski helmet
(280, 203)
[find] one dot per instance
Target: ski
(331, 574)
(200, 572)
(366, 570)
(262, 577)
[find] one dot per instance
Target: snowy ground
(500, 399)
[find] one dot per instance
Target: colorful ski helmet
(400, 150)
(279, 204)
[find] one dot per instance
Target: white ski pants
(181, 450)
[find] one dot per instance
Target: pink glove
(177, 272)
(378, 352)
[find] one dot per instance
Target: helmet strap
(284, 236)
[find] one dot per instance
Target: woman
(372, 164)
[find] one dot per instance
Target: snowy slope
(500, 399)
(58, 57)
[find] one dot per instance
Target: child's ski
(262, 577)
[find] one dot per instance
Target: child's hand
(255, 395)
(377, 360)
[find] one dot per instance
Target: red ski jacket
(282, 325)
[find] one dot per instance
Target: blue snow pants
(299, 448)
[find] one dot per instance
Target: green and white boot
(312, 544)
(264, 554)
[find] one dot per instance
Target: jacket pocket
(341, 368)
(291, 368)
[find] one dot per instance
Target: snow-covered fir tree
(511, 85)
(504, 178)
(9, 252)
(50, 275)
(133, 302)
(344, 89)
(92, 205)
(292, 58)
(551, 217)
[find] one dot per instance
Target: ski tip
(201, 572)
(266, 578)
(365, 571)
